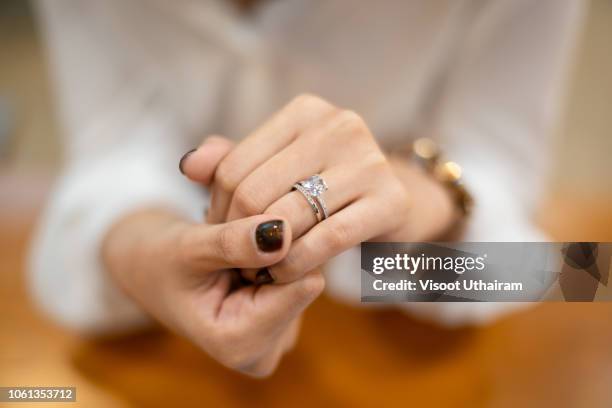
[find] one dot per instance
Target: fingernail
(263, 277)
(269, 235)
(185, 156)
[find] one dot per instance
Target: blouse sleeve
(117, 76)
(496, 118)
(495, 114)
(499, 108)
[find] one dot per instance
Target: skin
(179, 272)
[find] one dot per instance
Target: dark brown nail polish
(269, 235)
(263, 277)
(186, 155)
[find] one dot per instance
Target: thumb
(251, 242)
(200, 164)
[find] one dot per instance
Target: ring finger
(360, 221)
(346, 184)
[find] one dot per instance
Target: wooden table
(556, 355)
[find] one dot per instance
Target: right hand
(181, 273)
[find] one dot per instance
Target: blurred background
(555, 354)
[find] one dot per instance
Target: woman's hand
(366, 198)
(181, 274)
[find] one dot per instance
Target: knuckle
(187, 248)
(217, 139)
(237, 360)
(375, 161)
(306, 101)
(234, 346)
(313, 285)
(245, 200)
(398, 190)
(226, 177)
(352, 122)
(397, 200)
(338, 236)
(229, 349)
(402, 199)
(226, 245)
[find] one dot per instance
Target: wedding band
(321, 203)
(312, 189)
(311, 201)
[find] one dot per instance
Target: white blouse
(140, 82)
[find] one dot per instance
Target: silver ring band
(321, 203)
(312, 188)
(310, 199)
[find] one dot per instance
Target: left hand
(366, 200)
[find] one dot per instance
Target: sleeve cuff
(67, 276)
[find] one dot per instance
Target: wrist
(432, 210)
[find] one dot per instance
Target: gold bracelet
(427, 154)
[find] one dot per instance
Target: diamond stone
(314, 185)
